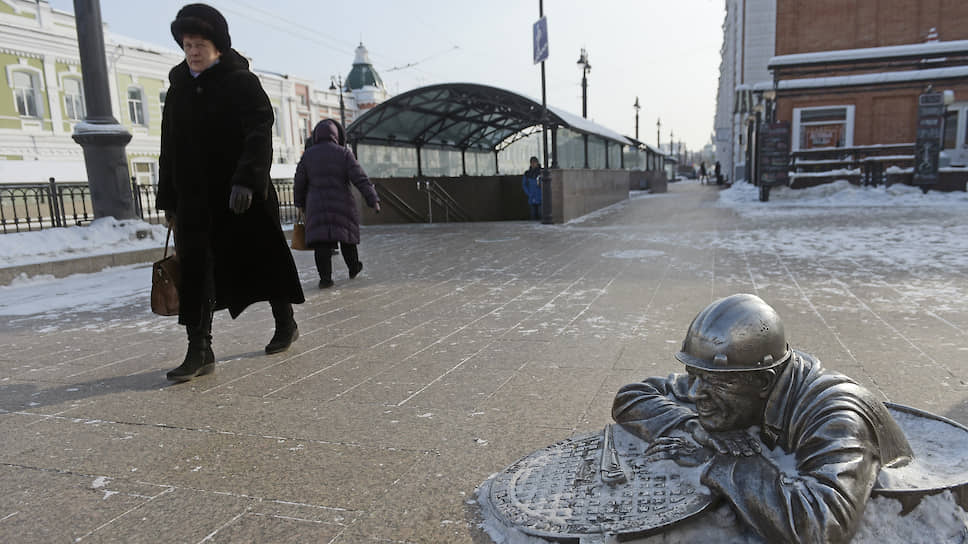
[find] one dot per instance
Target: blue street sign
(540, 31)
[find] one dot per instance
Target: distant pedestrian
(216, 148)
(322, 193)
(719, 173)
(531, 184)
(703, 178)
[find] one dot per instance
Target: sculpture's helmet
(736, 333)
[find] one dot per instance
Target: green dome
(362, 74)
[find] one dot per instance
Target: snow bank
(54, 299)
(841, 193)
(103, 236)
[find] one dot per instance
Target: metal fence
(36, 206)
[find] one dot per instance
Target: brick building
(846, 76)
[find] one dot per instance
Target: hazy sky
(666, 52)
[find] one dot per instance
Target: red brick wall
(804, 26)
(880, 117)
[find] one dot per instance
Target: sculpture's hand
(682, 449)
(736, 443)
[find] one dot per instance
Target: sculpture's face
(728, 401)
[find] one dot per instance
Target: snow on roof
(870, 53)
(874, 79)
(591, 127)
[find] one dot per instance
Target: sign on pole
(540, 35)
(926, 150)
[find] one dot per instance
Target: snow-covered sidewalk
(102, 237)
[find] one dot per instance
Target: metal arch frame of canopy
(460, 116)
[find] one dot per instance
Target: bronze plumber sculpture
(795, 450)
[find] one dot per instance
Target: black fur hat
(205, 21)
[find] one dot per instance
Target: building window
(956, 134)
(25, 94)
(73, 99)
(144, 173)
(829, 126)
(304, 132)
(136, 110)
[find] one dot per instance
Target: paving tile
(442, 364)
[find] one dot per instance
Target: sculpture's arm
(652, 407)
(822, 502)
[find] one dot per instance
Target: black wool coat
(217, 132)
(322, 188)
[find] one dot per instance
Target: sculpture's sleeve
(651, 407)
(822, 500)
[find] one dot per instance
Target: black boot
(200, 359)
(286, 330)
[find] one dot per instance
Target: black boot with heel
(200, 359)
(286, 330)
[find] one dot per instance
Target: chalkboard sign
(928, 146)
(774, 153)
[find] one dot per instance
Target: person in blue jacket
(531, 184)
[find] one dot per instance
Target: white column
(53, 95)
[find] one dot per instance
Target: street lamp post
(586, 67)
(336, 82)
(637, 108)
(100, 135)
(658, 134)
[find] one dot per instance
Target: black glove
(240, 199)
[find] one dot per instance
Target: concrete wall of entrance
(579, 192)
(500, 198)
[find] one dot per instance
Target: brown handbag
(299, 236)
(164, 283)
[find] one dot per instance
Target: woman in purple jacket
(322, 194)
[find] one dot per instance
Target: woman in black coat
(321, 191)
(216, 148)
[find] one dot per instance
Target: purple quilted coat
(322, 187)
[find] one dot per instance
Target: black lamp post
(100, 135)
(336, 82)
(637, 108)
(585, 68)
(658, 132)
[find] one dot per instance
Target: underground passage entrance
(457, 151)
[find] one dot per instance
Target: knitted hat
(205, 21)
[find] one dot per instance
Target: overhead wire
(312, 34)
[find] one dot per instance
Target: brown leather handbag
(164, 283)
(299, 235)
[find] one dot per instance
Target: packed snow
(839, 194)
(103, 236)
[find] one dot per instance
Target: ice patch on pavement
(634, 254)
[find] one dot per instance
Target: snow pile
(54, 299)
(103, 236)
(840, 193)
